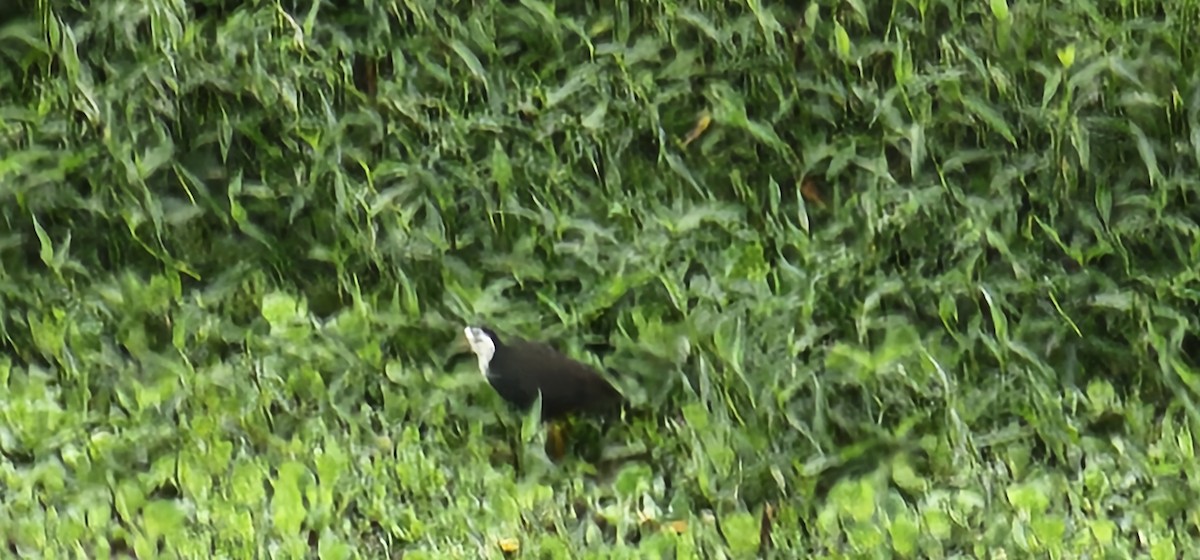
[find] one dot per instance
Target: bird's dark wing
(567, 385)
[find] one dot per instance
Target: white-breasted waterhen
(519, 370)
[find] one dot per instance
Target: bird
(519, 369)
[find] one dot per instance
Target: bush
(911, 278)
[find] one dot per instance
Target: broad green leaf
(1146, 151)
(502, 171)
(595, 119)
(989, 116)
(999, 9)
(469, 59)
(841, 40)
(279, 309)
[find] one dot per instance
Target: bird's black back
(520, 369)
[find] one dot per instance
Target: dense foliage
(912, 278)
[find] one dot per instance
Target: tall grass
(911, 278)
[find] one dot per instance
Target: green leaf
(999, 9)
(163, 519)
(990, 116)
(857, 499)
(1146, 151)
(841, 40)
(287, 503)
(1066, 56)
(743, 531)
(502, 171)
(905, 534)
(1030, 497)
(469, 59)
(632, 481)
(46, 246)
(594, 120)
(279, 309)
(697, 417)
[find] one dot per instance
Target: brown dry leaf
(808, 188)
(556, 442)
(764, 528)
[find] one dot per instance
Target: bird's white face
(482, 346)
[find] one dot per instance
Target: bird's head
(483, 343)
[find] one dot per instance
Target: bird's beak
(460, 345)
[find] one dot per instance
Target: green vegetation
(924, 287)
